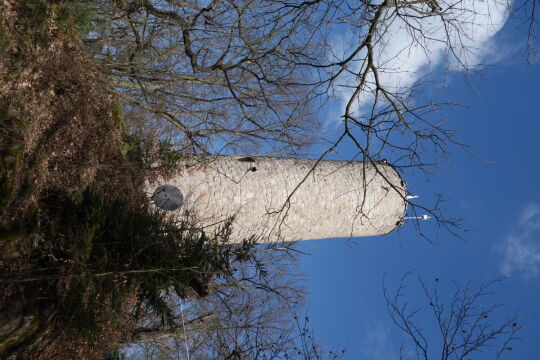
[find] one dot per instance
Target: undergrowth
(106, 251)
(81, 249)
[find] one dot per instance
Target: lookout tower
(287, 199)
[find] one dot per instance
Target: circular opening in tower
(168, 197)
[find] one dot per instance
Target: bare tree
(245, 316)
(526, 13)
(220, 72)
(388, 113)
(465, 323)
(226, 76)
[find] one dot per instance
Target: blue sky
(495, 191)
(497, 194)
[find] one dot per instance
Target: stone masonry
(337, 199)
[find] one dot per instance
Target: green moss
(76, 18)
(19, 331)
(120, 122)
(9, 239)
(117, 115)
(33, 24)
(170, 158)
(77, 198)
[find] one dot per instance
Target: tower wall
(337, 199)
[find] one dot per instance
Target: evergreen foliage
(82, 251)
(111, 251)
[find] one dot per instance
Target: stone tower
(268, 198)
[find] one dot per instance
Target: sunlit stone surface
(288, 199)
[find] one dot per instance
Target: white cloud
(521, 248)
(377, 343)
(528, 216)
(403, 56)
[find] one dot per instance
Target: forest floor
(61, 145)
(84, 255)
(75, 223)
